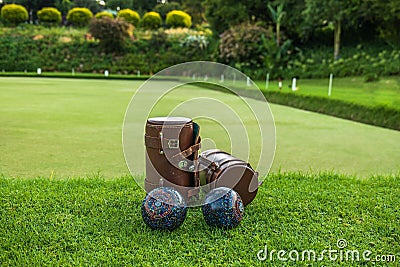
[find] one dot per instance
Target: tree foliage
(334, 12)
(386, 15)
(111, 33)
(144, 5)
(64, 5)
(89, 4)
(195, 9)
(121, 4)
(164, 9)
(222, 14)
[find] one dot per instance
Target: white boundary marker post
(330, 84)
(194, 77)
(222, 78)
(106, 73)
(39, 71)
(138, 73)
(248, 81)
(73, 72)
(267, 81)
(294, 84)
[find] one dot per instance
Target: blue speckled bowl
(223, 208)
(164, 208)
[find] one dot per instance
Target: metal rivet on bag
(191, 168)
(182, 164)
(161, 152)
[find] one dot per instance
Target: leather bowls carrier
(224, 170)
(172, 159)
(172, 145)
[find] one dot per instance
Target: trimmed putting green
(66, 128)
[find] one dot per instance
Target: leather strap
(206, 162)
(187, 152)
(160, 143)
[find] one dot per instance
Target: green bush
(370, 62)
(129, 16)
(178, 18)
(49, 15)
(14, 14)
(104, 14)
(151, 20)
(79, 16)
(111, 33)
(242, 46)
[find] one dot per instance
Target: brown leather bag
(172, 145)
(218, 168)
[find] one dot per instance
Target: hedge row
(13, 14)
(377, 115)
(53, 54)
(382, 116)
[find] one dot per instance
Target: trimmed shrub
(151, 20)
(104, 14)
(14, 14)
(111, 33)
(178, 18)
(79, 16)
(49, 15)
(129, 16)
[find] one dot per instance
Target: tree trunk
(278, 34)
(338, 29)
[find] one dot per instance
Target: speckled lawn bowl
(164, 208)
(223, 208)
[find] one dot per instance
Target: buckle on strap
(173, 143)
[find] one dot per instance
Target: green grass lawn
(386, 91)
(98, 222)
(62, 129)
(66, 128)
